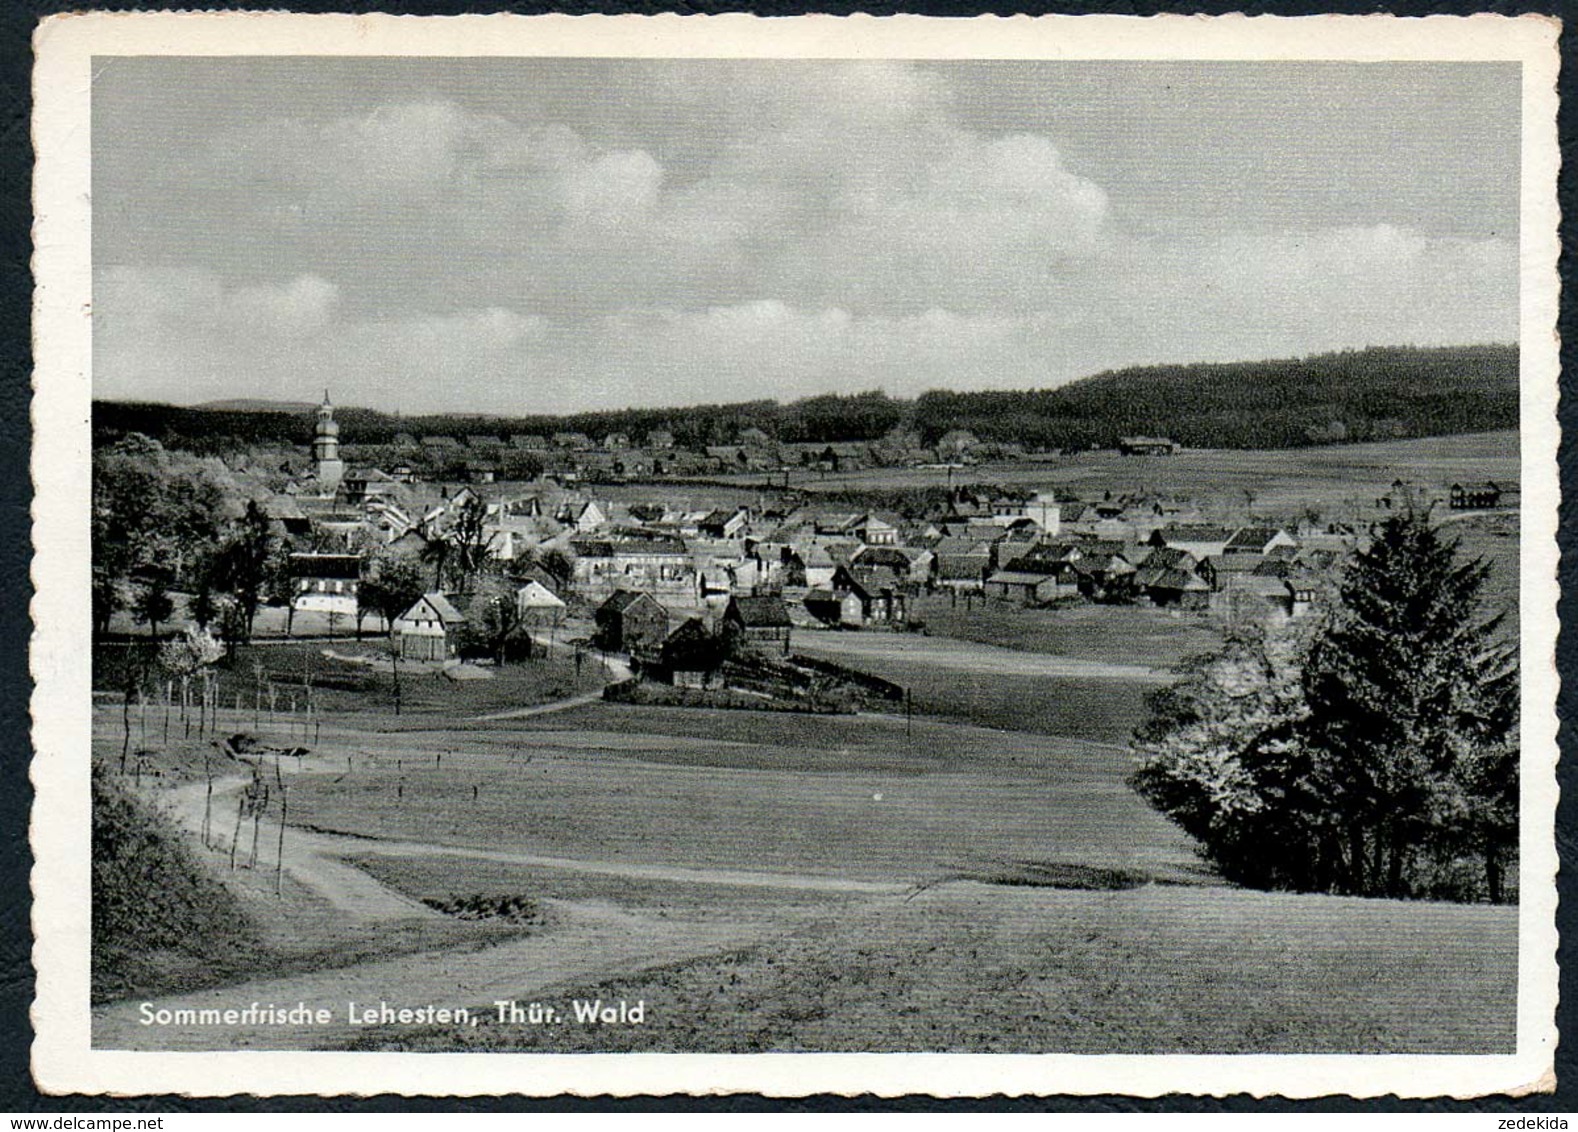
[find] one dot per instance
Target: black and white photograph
(714, 539)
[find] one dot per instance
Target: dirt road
(617, 670)
(580, 940)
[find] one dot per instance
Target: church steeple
(326, 447)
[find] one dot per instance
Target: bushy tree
(1221, 756)
(153, 512)
(392, 586)
(1369, 751)
(247, 564)
(153, 605)
(493, 616)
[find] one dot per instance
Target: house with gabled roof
(325, 583)
(962, 563)
(1203, 540)
(1258, 540)
(1022, 587)
(631, 621)
(690, 657)
(724, 523)
(430, 629)
(760, 622)
(658, 564)
(910, 564)
(1170, 586)
(537, 604)
(1485, 494)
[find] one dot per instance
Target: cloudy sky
(528, 235)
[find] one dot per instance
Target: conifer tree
(1413, 708)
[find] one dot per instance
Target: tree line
(1355, 395)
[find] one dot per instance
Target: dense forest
(1355, 395)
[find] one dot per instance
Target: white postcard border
(63, 1060)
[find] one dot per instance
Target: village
(628, 569)
(715, 707)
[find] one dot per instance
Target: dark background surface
(17, 1094)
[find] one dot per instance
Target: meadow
(1272, 482)
(1113, 634)
(343, 686)
(941, 801)
(978, 968)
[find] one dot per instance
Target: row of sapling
(253, 803)
(1371, 750)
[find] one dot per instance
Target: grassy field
(979, 968)
(430, 879)
(342, 687)
(1280, 482)
(1110, 633)
(1098, 708)
(1495, 539)
(942, 801)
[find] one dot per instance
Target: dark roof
(1164, 556)
(1104, 564)
(762, 612)
(621, 600)
(1252, 538)
(1235, 563)
(1195, 532)
(890, 556)
(874, 577)
(326, 565)
(691, 648)
(1171, 579)
(441, 605)
(657, 544)
(973, 547)
(1018, 578)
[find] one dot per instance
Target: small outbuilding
(760, 622)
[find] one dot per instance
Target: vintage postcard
(623, 555)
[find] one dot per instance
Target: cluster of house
(686, 651)
(819, 566)
(845, 568)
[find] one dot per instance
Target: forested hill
(1356, 395)
(1350, 396)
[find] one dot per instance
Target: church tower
(326, 448)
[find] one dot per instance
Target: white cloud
(841, 228)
